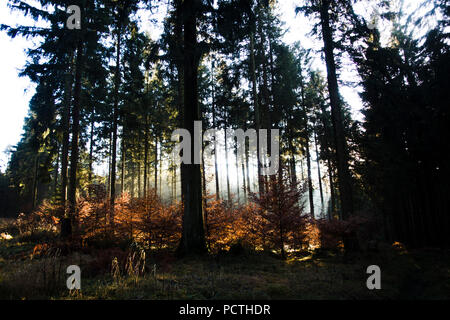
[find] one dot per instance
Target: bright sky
(16, 92)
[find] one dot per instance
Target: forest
(99, 178)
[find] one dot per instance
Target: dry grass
(33, 261)
(142, 274)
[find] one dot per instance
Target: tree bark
(91, 147)
(114, 129)
(66, 227)
(66, 132)
(256, 110)
(216, 170)
(122, 175)
(243, 181)
(226, 165)
(318, 168)
(248, 168)
(237, 176)
(193, 235)
(55, 177)
(156, 165)
(139, 164)
(293, 170)
(310, 186)
(344, 179)
(35, 182)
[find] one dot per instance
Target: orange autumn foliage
(223, 226)
(273, 221)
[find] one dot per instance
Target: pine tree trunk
(243, 181)
(266, 118)
(139, 164)
(66, 133)
(35, 179)
(193, 235)
(114, 130)
(344, 182)
(256, 110)
(133, 168)
(55, 177)
(108, 184)
(226, 165)
(310, 186)
(178, 31)
(248, 169)
(122, 175)
(66, 226)
(156, 165)
(332, 193)
(204, 187)
(216, 170)
(91, 148)
(175, 182)
(302, 169)
(308, 154)
(327, 147)
(145, 155)
(292, 163)
(237, 177)
(318, 168)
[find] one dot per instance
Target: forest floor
(421, 274)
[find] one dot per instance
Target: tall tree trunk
(226, 165)
(133, 172)
(122, 174)
(256, 110)
(204, 187)
(308, 154)
(302, 169)
(292, 162)
(310, 186)
(243, 181)
(344, 179)
(114, 129)
(91, 148)
(66, 227)
(156, 164)
(193, 235)
(318, 168)
(237, 176)
(55, 176)
(265, 96)
(35, 182)
(213, 107)
(139, 164)
(179, 40)
(175, 182)
(146, 145)
(327, 147)
(108, 185)
(332, 193)
(247, 167)
(66, 133)
(160, 172)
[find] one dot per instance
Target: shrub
(222, 225)
(44, 219)
(159, 225)
(275, 219)
(333, 233)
